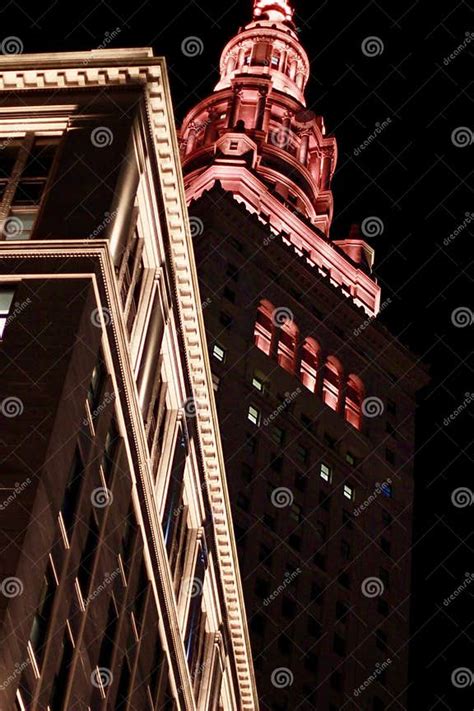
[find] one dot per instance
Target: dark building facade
(316, 399)
(119, 584)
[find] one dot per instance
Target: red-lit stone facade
(315, 398)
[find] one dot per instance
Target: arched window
(354, 397)
(264, 327)
(309, 363)
(332, 382)
(286, 352)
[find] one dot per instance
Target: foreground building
(119, 586)
(316, 399)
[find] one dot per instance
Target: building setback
(316, 399)
(119, 584)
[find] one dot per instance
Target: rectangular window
(195, 616)
(225, 319)
(302, 453)
(42, 616)
(60, 681)
(278, 435)
(390, 456)
(325, 472)
(232, 271)
(86, 566)
(253, 415)
(72, 492)
(218, 353)
(296, 513)
(348, 492)
(96, 385)
(257, 383)
(350, 459)
(381, 640)
(229, 294)
(175, 492)
(23, 181)
(110, 450)
(6, 298)
(215, 382)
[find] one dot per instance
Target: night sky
(415, 178)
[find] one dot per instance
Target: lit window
(218, 353)
(257, 383)
(325, 472)
(215, 382)
(6, 298)
(254, 415)
(350, 459)
(348, 492)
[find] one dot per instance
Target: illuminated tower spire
(256, 138)
(273, 10)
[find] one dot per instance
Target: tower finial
(273, 10)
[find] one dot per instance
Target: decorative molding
(103, 68)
